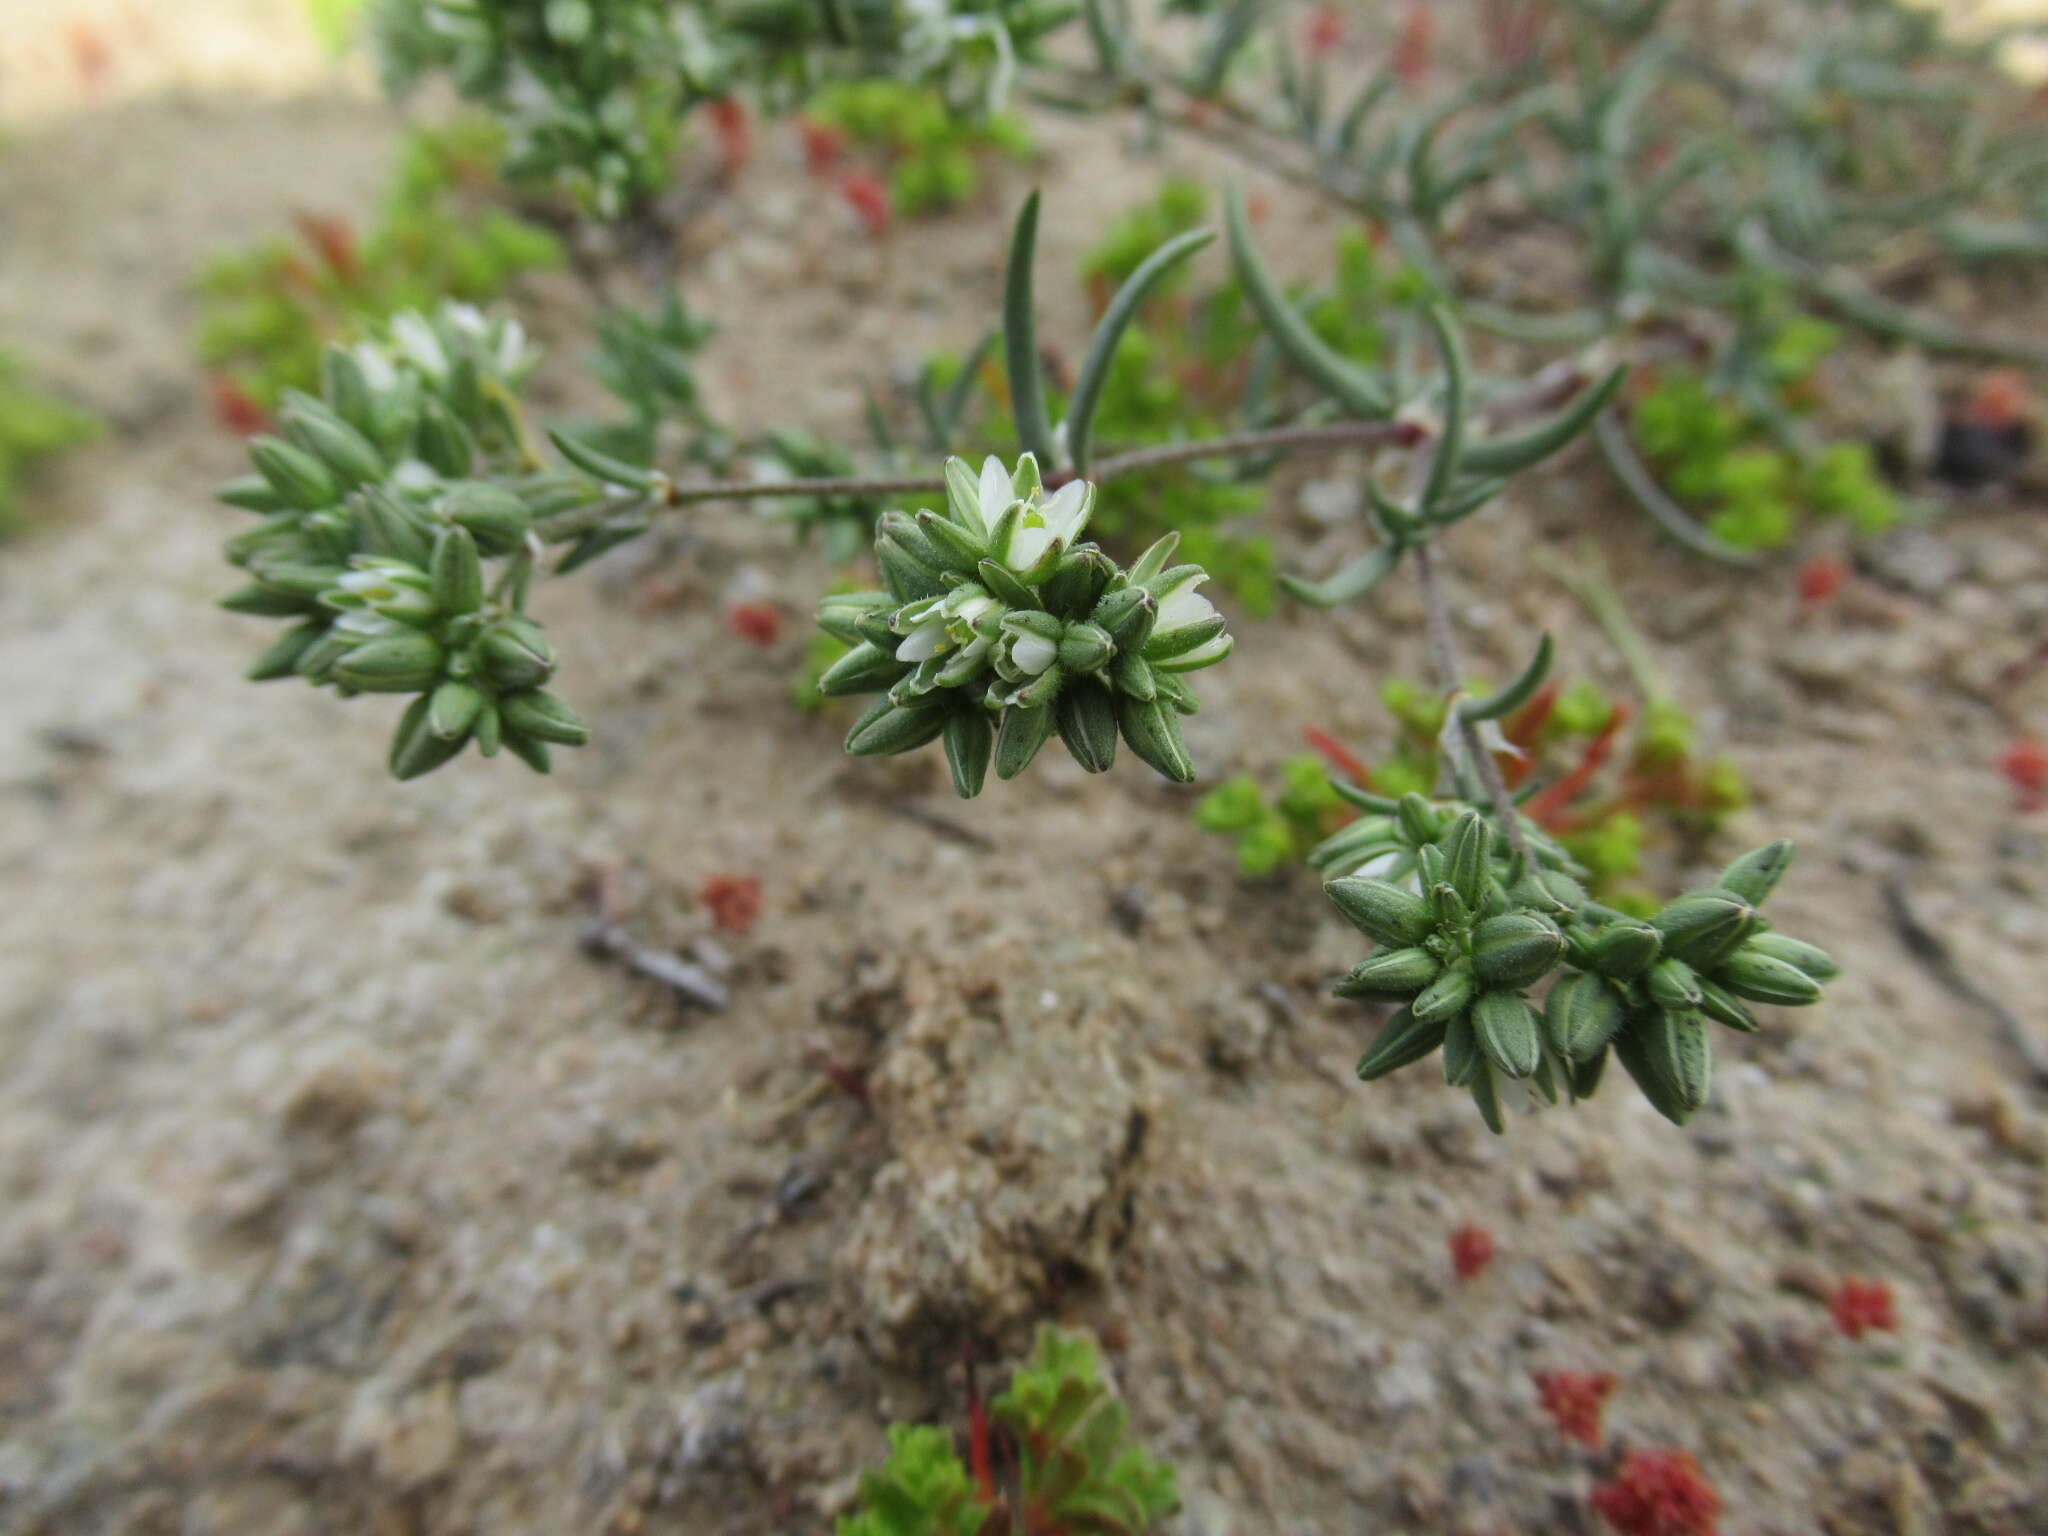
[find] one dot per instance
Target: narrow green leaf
(1510, 452)
(1450, 442)
(1350, 385)
(1102, 345)
(1517, 693)
(1349, 582)
(1020, 338)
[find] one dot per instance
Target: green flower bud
(1152, 727)
(1402, 1040)
(458, 572)
(302, 480)
(443, 442)
(1623, 950)
(1467, 848)
(969, 739)
(1798, 954)
(1462, 1056)
(842, 615)
(281, 657)
(385, 527)
(1724, 1007)
(874, 627)
(1586, 1074)
(258, 601)
(1507, 1029)
(400, 663)
(1018, 738)
(1133, 675)
(314, 427)
(489, 729)
(530, 750)
(252, 493)
(1128, 615)
(453, 709)
(864, 669)
(1756, 874)
(956, 547)
(1384, 913)
(1486, 1098)
(1086, 716)
(495, 518)
(1078, 581)
(514, 653)
(1674, 984)
(888, 728)
(318, 660)
(1703, 927)
(1450, 993)
(1515, 949)
(1085, 647)
(1582, 1013)
(345, 387)
(415, 749)
(1668, 1056)
(1391, 973)
(1421, 822)
(1763, 978)
(545, 718)
(1550, 891)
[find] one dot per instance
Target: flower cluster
(1464, 929)
(379, 506)
(998, 629)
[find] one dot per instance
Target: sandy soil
(344, 1193)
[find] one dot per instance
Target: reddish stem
(1337, 754)
(1551, 804)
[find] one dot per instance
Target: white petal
(1064, 508)
(923, 642)
(1026, 546)
(995, 490)
(1033, 654)
(1200, 656)
(1182, 607)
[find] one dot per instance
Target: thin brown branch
(1450, 677)
(1340, 434)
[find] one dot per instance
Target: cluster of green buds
(998, 629)
(379, 506)
(1465, 929)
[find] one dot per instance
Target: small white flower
(925, 640)
(417, 344)
(1055, 521)
(995, 492)
(1184, 607)
(1032, 654)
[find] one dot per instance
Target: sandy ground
(343, 1193)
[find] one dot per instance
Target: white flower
(1051, 524)
(1183, 607)
(416, 342)
(924, 641)
(1032, 654)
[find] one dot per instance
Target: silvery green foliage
(999, 629)
(591, 91)
(379, 507)
(1464, 931)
